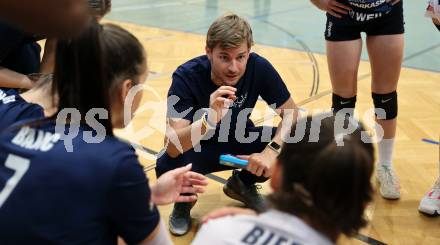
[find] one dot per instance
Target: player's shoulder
(8, 91)
(84, 142)
(8, 95)
(105, 157)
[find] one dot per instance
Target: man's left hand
(260, 163)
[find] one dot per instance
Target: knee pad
(386, 102)
(339, 103)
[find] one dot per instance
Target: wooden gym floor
(416, 162)
(287, 24)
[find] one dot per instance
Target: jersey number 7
(20, 165)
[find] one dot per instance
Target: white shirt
(270, 228)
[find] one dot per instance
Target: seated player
(89, 188)
(321, 188)
(228, 80)
(430, 203)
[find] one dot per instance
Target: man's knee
(166, 163)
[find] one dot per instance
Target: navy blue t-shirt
(18, 51)
(14, 108)
(192, 86)
(89, 196)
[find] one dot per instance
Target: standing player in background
(382, 21)
(320, 191)
(433, 11)
(430, 203)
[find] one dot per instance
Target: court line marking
(274, 13)
(153, 5)
(368, 240)
(257, 17)
(429, 141)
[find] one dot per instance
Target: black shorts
(348, 28)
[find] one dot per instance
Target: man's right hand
(219, 102)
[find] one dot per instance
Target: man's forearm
(184, 139)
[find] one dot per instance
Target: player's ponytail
(79, 79)
(90, 68)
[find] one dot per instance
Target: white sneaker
(389, 182)
(430, 204)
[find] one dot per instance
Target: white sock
(385, 151)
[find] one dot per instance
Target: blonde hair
(229, 31)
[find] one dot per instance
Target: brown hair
(229, 31)
(326, 184)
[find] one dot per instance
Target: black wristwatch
(274, 146)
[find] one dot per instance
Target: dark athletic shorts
(350, 26)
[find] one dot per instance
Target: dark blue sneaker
(249, 195)
(180, 218)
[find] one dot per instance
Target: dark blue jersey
(14, 108)
(91, 195)
(192, 87)
(369, 6)
(18, 51)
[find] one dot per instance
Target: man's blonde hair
(229, 31)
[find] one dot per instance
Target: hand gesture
(171, 185)
(219, 102)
